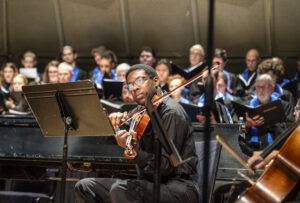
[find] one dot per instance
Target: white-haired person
(65, 72)
(121, 71)
(258, 136)
(196, 57)
(196, 60)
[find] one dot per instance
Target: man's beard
(264, 98)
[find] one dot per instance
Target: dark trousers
(106, 190)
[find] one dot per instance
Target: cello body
(279, 179)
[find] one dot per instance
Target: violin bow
(156, 101)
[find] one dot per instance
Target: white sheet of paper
(28, 72)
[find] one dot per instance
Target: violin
(279, 179)
(138, 124)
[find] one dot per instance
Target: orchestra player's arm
(257, 162)
(116, 120)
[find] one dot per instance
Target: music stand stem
(64, 165)
(66, 118)
(156, 184)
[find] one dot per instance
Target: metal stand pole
(156, 181)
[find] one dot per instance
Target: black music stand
(161, 139)
(68, 109)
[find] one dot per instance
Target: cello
(279, 179)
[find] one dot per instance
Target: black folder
(272, 112)
(176, 69)
(112, 87)
(192, 110)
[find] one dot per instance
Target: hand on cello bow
(257, 162)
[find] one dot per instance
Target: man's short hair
(198, 47)
(266, 77)
(69, 47)
(29, 54)
(65, 66)
(164, 62)
(148, 49)
(221, 53)
(148, 69)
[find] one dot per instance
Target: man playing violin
(176, 184)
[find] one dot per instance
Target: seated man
(147, 56)
(256, 161)
(65, 72)
(196, 58)
(69, 55)
(163, 70)
(246, 80)
(276, 70)
(176, 184)
(258, 136)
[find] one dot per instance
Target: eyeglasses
(261, 87)
(138, 82)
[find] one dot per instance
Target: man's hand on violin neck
(121, 138)
(117, 119)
